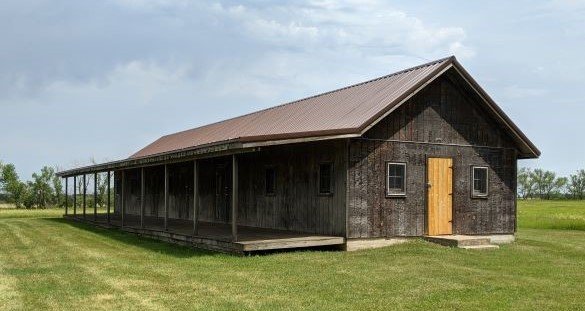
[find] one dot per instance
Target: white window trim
(395, 194)
(487, 182)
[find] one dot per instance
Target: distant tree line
(45, 189)
(547, 185)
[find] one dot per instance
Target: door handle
(429, 185)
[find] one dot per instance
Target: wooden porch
(220, 203)
(211, 236)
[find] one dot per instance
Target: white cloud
(203, 36)
(372, 25)
(116, 74)
(138, 82)
(152, 4)
(462, 51)
(568, 4)
(319, 45)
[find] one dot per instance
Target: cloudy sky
(101, 79)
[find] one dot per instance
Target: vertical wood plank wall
(296, 205)
(440, 115)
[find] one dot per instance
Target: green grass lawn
(539, 214)
(49, 263)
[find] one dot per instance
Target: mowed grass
(49, 263)
(9, 213)
(541, 214)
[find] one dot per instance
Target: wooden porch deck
(212, 236)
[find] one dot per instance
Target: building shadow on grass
(166, 248)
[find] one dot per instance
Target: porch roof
(222, 148)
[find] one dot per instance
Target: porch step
(462, 241)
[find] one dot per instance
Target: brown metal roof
(343, 111)
(349, 112)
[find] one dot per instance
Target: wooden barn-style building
(422, 152)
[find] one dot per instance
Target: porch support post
(66, 195)
(108, 191)
(75, 196)
(195, 198)
(123, 199)
(84, 194)
(95, 196)
(166, 224)
(142, 197)
(234, 198)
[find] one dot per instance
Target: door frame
(426, 192)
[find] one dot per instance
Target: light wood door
(440, 196)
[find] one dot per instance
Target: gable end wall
(440, 121)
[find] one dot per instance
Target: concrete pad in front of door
(465, 241)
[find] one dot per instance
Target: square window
(270, 181)
(479, 176)
(395, 179)
(325, 178)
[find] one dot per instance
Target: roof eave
(160, 158)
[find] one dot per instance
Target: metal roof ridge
(448, 58)
(359, 84)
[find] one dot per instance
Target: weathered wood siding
(441, 121)
(215, 188)
(154, 191)
(180, 191)
(296, 204)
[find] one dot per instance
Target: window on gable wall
(395, 179)
(479, 177)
